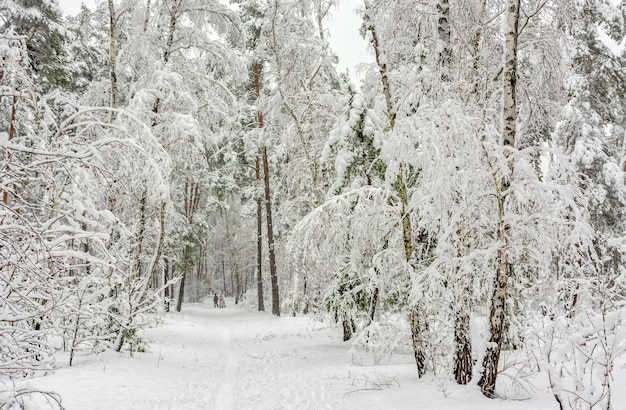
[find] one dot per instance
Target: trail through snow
(225, 359)
(207, 358)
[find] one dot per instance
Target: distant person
(222, 302)
(215, 300)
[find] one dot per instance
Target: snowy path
(232, 359)
(206, 358)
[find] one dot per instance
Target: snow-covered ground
(207, 358)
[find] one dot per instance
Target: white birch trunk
(498, 300)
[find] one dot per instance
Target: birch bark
(503, 269)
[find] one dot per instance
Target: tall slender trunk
(498, 299)
(112, 57)
(223, 270)
(85, 243)
(166, 289)
(270, 234)
(77, 324)
(237, 286)
(256, 77)
(172, 275)
(183, 279)
(140, 235)
(259, 244)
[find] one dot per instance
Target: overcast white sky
(73, 6)
(344, 32)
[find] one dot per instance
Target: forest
(154, 152)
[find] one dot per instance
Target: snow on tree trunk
(503, 269)
(417, 340)
(463, 344)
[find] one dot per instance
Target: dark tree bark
(181, 288)
(112, 56)
(181, 293)
(259, 249)
(270, 234)
(166, 290)
(256, 75)
(347, 330)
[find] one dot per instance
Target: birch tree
(498, 300)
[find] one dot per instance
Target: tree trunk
(237, 287)
(172, 275)
(498, 300)
(382, 67)
(417, 340)
(270, 234)
(256, 75)
(183, 279)
(463, 365)
(223, 270)
(167, 53)
(181, 292)
(259, 249)
(136, 272)
(463, 346)
(147, 18)
(166, 289)
(112, 57)
(85, 243)
(347, 329)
